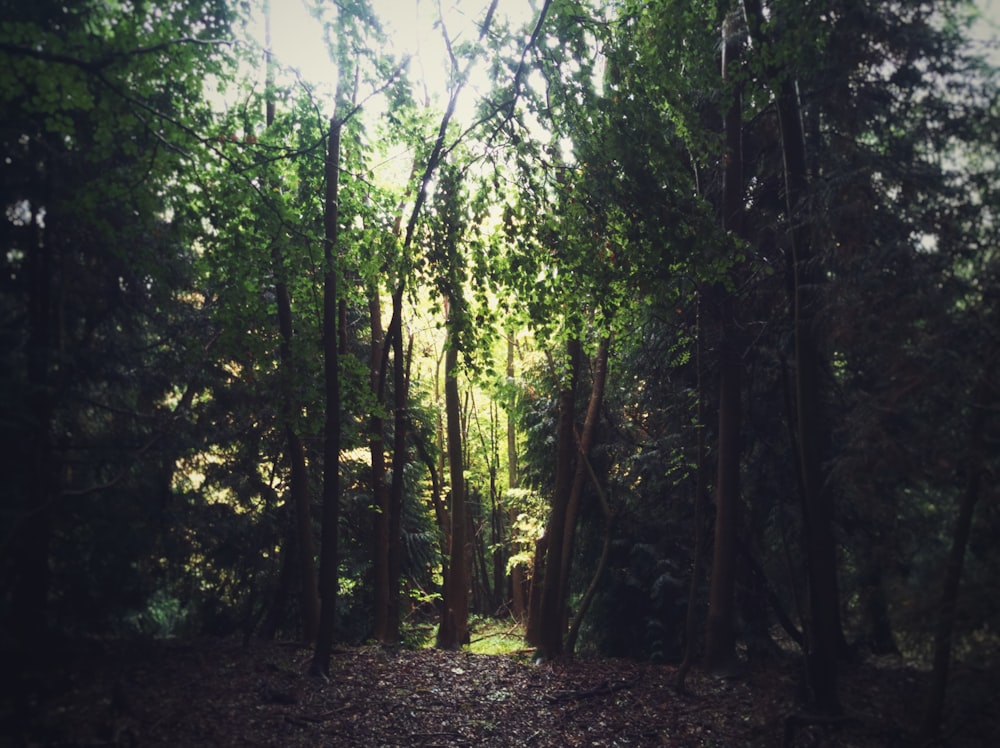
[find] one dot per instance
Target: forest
(658, 340)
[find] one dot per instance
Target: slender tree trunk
(693, 617)
(533, 627)
(483, 597)
(498, 555)
(720, 652)
(328, 581)
(400, 413)
(602, 563)
(454, 629)
(380, 491)
(401, 424)
(552, 604)
(583, 446)
(301, 501)
(440, 511)
(956, 560)
(294, 450)
(518, 593)
(824, 633)
(519, 603)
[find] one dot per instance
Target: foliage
(152, 209)
(528, 510)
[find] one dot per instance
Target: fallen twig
(603, 689)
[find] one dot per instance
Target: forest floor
(218, 693)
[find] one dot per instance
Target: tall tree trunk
(497, 553)
(386, 545)
(552, 605)
(305, 543)
(328, 581)
(454, 629)
(720, 652)
(494, 570)
(400, 437)
(824, 633)
(693, 617)
(394, 341)
(956, 559)
(380, 491)
(294, 450)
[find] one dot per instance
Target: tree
(425, 167)
(795, 262)
(299, 479)
(95, 140)
(824, 634)
(985, 393)
(552, 604)
(719, 641)
(445, 255)
(329, 581)
(454, 629)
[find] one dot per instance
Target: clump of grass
(496, 636)
(487, 636)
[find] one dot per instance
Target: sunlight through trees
(665, 329)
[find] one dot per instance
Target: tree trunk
(552, 605)
(602, 563)
(519, 603)
(482, 599)
(824, 633)
(720, 652)
(583, 445)
(499, 556)
(497, 545)
(956, 560)
(298, 472)
(300, 499)
(440, 511)
(693, 617)
(401, 422)
(328, 581)
(454, 629)
(533, 626)
(380, 491)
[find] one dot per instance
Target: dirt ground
(212, 693)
